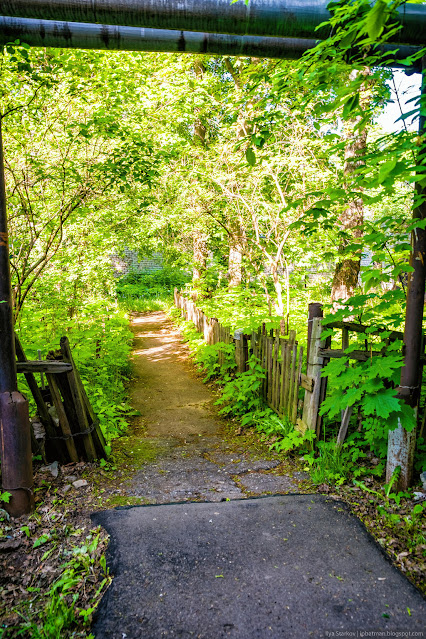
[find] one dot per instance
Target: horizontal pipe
(81, 35)
(282, 18)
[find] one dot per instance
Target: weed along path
(215, 538)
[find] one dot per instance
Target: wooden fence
(280, 357)
(71, 428)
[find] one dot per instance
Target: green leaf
(250, 156)
(376, 19)
(384, 367)
(404, 417)
(41, 540)
(382, 404)
(351, 104)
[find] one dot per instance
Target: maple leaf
(382, 404)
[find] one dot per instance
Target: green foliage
(336, 465)
(61, 610)
(209, 355)
(280, 432)
(369, 386)
(100, 339)
(241, 395)
(150, 284)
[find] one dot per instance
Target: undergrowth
(100, 340)
(354, 470)
(64, 607)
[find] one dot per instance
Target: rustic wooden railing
(280, 357)
(72, 430)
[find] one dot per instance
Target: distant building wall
(130, 262)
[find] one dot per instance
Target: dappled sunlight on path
(171, 398)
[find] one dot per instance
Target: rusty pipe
(16, 455)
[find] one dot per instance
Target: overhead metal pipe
(282, 18)
(81, 35)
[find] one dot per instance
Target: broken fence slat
(48, 366)
(97, 434)
(296, 387)
(63, 419)
(307, 382)
(361, 356)
(81, 415)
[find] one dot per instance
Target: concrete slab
(292, 566)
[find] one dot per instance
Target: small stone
(66, 489)
(79, 483)
(71, 478)
(53, 469)
(419, 496)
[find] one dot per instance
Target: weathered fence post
(311, 403)
(241, 351)
(314, 310)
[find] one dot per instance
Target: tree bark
(200, 255)
(347, 269)
(200, 129)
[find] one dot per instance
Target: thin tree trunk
(235, 264)
(200, 256)
(347, 269)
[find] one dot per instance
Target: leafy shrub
(208, 358)
(280, 432)
(149, 284)
(336, 465)
(101, 340)
(241, 395)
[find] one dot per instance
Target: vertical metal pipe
(8, 380)
(401, 443)
(16, 457)
(15, 437)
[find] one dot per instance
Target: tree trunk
(199, 128)
(200, 255)
(346, 272)
(235, 264)
(345, 278)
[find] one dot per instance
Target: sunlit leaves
(376, 19)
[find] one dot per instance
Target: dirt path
(173, 402)
(179, 449)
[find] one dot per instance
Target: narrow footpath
(183, 452)
(219, 539)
